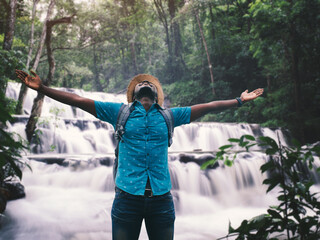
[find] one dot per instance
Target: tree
(24, 89)
(9, 34)
(167, 11)
(285, 42)
(11, 18)
(206, 48)
(38, 101)
(35, 2)
(10, 152)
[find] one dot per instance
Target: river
(69, 191)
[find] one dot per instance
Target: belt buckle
(148, 193)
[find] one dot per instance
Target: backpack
(123, 115)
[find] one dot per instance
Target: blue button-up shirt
(143, 152)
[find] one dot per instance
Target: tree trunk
(175, 57)
(175, 29)
(213, 33)
(38, 101)
(9, 34)
(206, 48)
(298, 95)
(11, 19)
(163, 18)
(134, 58)
(97, 83)
(24, 88)
(35, 2)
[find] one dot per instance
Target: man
(142, 180)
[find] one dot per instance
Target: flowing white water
(72, 199)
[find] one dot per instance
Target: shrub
(298, 213)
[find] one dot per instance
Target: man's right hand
(33, 82)
(72, 99)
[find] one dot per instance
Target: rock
(4, 193)
(198, 158)
(107, 161)
(15, 189)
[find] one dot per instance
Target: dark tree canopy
(245, 43)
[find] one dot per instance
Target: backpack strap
(123, 115)
(168, 117)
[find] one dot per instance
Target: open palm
(246, 96)
(33, 82)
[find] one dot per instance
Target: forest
(201, 51)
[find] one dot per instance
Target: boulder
(198, 158)
(15, 189)
(4, 193)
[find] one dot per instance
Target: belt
(148, 193)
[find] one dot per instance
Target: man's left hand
(246, 96)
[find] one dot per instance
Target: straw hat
(144, 77)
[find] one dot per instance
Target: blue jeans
(128, 211)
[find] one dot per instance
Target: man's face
(145, 89)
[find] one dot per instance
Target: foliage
(251, 44)
(10, 60)
(285, 37)
(298, 214)
(16, 42)
(10, 148)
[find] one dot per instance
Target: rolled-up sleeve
(107, 111)
(181, 115)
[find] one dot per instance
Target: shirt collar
(156, 104)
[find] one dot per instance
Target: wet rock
(3, 199)
(107, 161)
(15, 189)
(50, 160)
(198, 158)
(10, 191)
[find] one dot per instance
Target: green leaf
(271, 151)
(267, 166)
(225, 147)
(258, 221)
(316, 149)
(250, 145)
(267, 141)
(231, 229)
(14, 166)
(235, 140)
(274, 214)
(243, 227)
(243, 143)
(228, 162)
(208, 163)
(272, 182)
(281, 197)
(249, 137)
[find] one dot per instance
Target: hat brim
(144, 77)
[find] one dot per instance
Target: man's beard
(145, 92)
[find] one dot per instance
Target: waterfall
(69, 191)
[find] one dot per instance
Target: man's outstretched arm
(200, 110)
(72, 99)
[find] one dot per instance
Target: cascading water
(69, 192)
